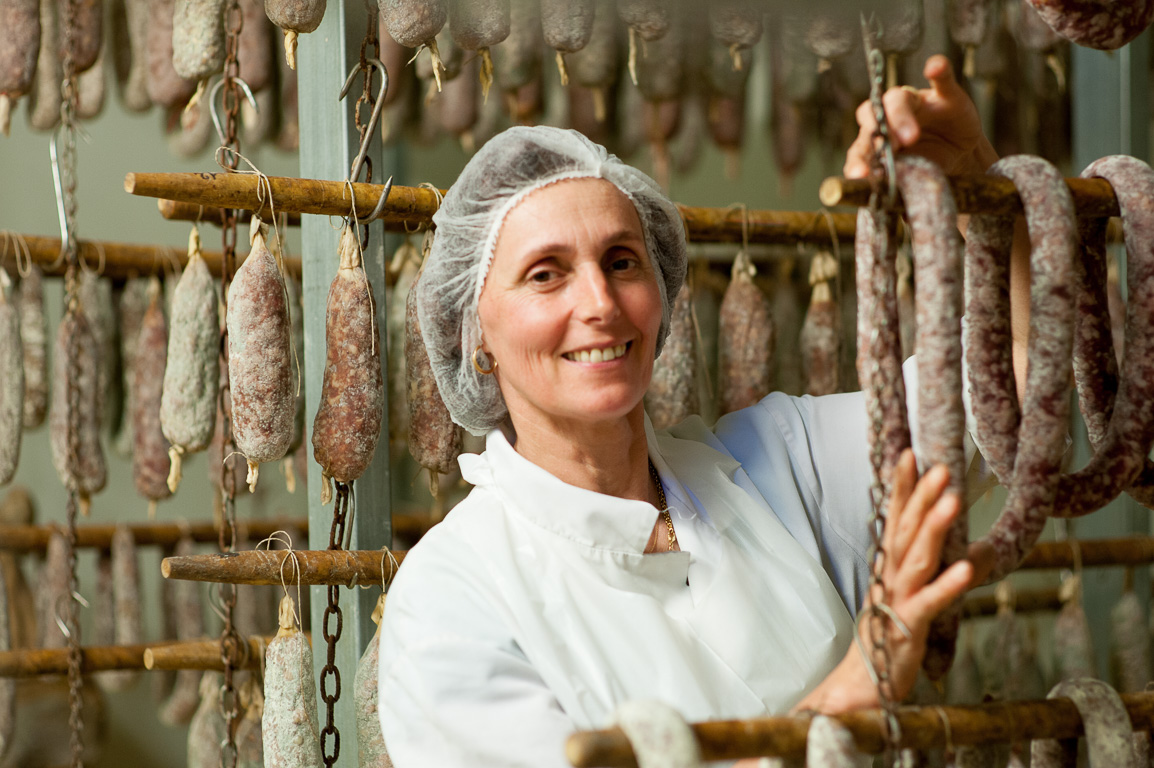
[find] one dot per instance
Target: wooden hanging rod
(26, 538)
(31, 662)
(120, 260)
(201, 654)
(345, 568)
(921, 728)
(208, 214)
(1025, 601)
(1128, 550)
(981, 194)
(35, 537)
(411, 208)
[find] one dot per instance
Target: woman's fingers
(903, 481)
(924, 556)
(911, 519)
(934, 597)
(940, 74)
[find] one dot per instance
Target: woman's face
(570, 309)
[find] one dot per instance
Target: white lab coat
(531, 610)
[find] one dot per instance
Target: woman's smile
(605, 354)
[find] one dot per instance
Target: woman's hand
(919, 515)
(939, 123)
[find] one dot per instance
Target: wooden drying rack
(192, 196)
(28, 538)
(119, 260)
(921, 728)
(196, 654)
(366, 567)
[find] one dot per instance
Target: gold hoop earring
(477, 366)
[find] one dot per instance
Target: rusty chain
(63, 151)
(230, 640)
(882, 209)
(330, 670)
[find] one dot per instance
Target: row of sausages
(1069, 326)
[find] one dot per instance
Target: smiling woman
(598, 561)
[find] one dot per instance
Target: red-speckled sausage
(165, 86)
(1105, 26)
(44, 96)
(829, 744)
(1121, 428)
(1053, 240)
(198, 38)
(19, 49)
(150, 463)
(744, 340)
(254, 55)
(672, 394)
(180, 705)
(348, 421)
(434, 440)
(83, 473)
(260, 366)
(1104, 719)
(821, 332)
(878, 338)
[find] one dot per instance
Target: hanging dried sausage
(415, 23)
(129, 628)
(181, 703)
(11, 382)
(260, 360)
(434, 440)
(19, 49)
(130, 46)
(370, 742)
(821, 332)
(165, 87)
(150, 463)
(82, 472)
(348, 421)
(567, 26)
(207, 729)
(672, 394)
(34, 343)
(198, 38)
(1104, 719)
(1094, 24)
(294, 17)
(477, 25)
(1073, 650)
(969, 23)
(1053, 239)
(44, 98)
(745, 341)
(1131, 642)
(829, 744)
(192, 372)
(289, 725)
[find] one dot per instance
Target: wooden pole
(1127, 550)
(28, 538)
(1025, 601)
(115, 260)
(185, 195)
(202, 654)
(316, 567)
(921, 728)
(208, 214)
(981, 194)
(35, 537)
(32, 662)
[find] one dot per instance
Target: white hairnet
(506, 169)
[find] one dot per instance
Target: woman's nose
(596, 300)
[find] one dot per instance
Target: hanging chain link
(63, 150)
(230, 640)
(882, 207)
(330, 670)
(370, 50)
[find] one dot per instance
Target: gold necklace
(672, 535)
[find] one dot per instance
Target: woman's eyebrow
(624, 235)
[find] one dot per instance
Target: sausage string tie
(19, 248)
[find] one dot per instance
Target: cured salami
(1130, 649)
(415, 23)
(745, 341)
(52, 590)
(829, 744)
(294, 17)
(188, 614)
(1106, 723)
(348, 421)
(821, 332)
(19, 49)
(82, 472)
(34, 343)
(672, 394)
(1094, 24)
(207, 729)
(1073, 649)
(11, 382)
(150, 463)
(192, 371)
(370, 742)
(434, 440)
(289, 724)
(165, 87)
(1036, 463)
(260, 361)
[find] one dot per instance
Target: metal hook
(374, 119)
(212, 103)
(58, 184)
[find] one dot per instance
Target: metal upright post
(1111, 115)
(328, 144)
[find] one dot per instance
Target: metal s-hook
(212, 104)
(374, 119)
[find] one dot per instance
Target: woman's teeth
(597, 355)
